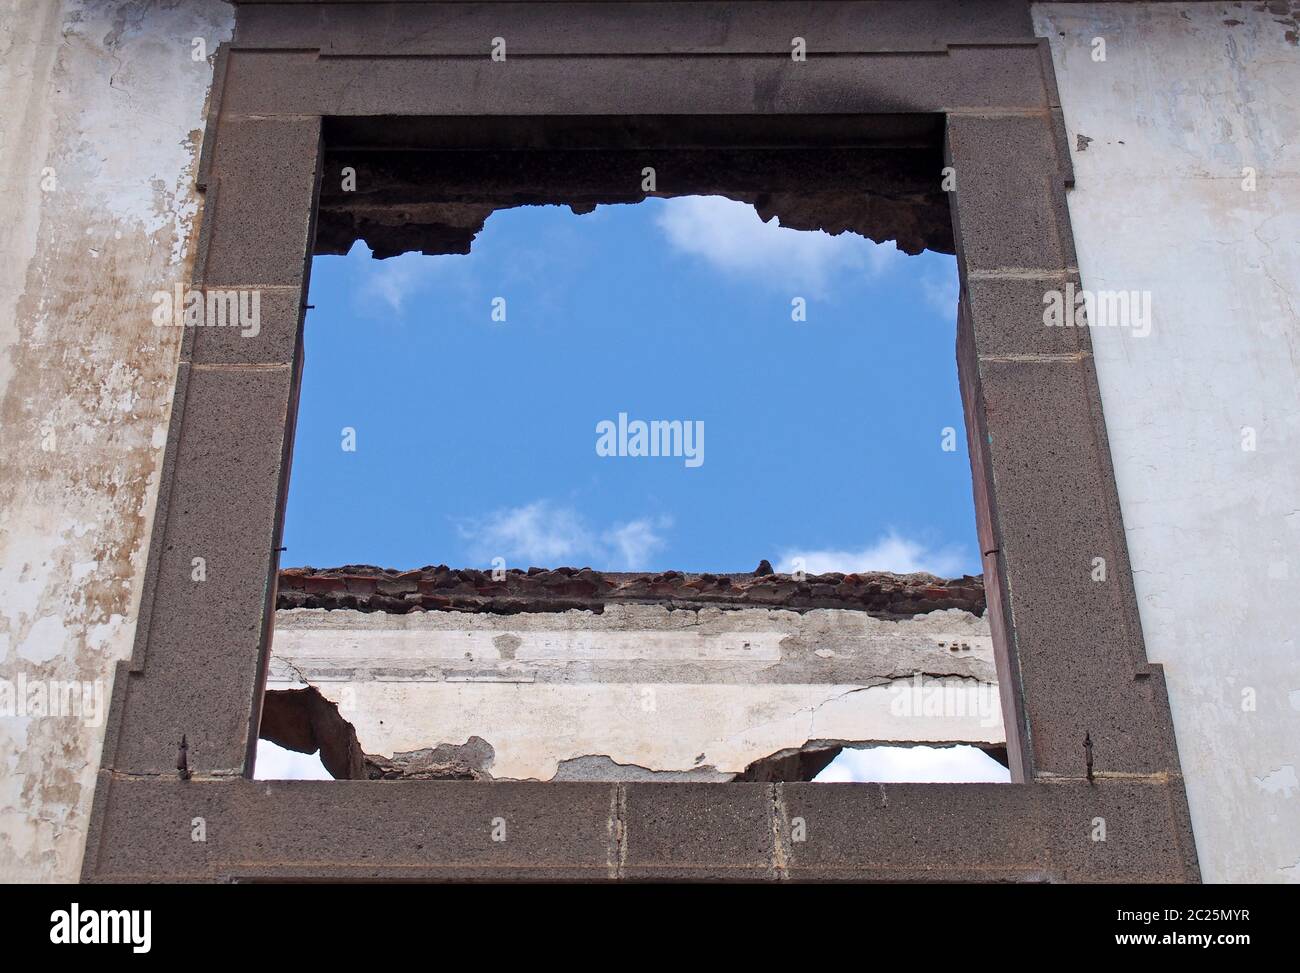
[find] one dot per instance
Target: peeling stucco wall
(639, 687)
(1187, 98)
(100, 125)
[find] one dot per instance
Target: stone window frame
(1071, 659)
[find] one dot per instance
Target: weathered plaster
(1190, 95)
(105, 98)
(707, 691)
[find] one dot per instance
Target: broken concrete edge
(304, 721)
(428, 185)
(439, 588)
(915, 219)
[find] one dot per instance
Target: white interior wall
(644, 687)
(1183, 103)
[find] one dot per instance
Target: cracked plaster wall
(1189, 95)
(580, 695)
(106, 100)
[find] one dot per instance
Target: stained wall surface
(100, 128)
(1203, 413)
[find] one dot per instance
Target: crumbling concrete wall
(1202, 413)
(639, 691)
(100, 126)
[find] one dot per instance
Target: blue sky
(476, 438)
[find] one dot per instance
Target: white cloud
(636, 541)
(730, 235)
(891, 553)
(941, 293)
(539, 533)
(389, 285)
(393, 280)
(917, 765)
(547, 535)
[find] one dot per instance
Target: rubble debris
(440, 588)
(447, 761)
